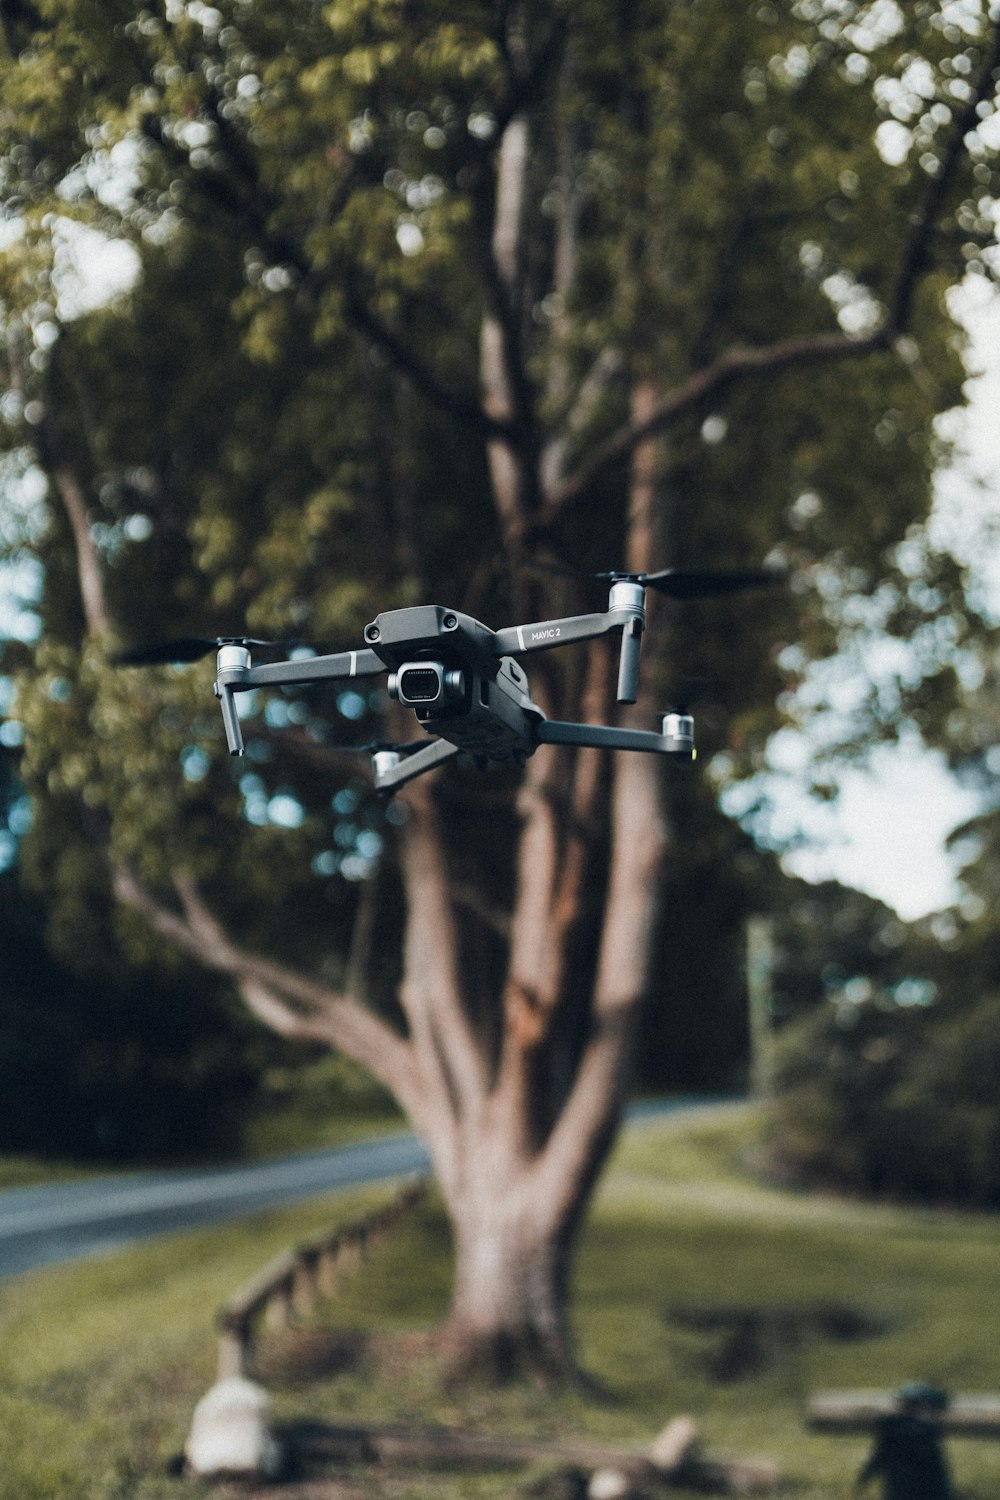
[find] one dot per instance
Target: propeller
(681, 583)
(676, 583)
(187, 648)
(406, 747)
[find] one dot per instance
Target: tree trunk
(508, 1309)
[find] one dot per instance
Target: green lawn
(101, 1364)
(281, 1132)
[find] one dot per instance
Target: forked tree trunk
(517, 1189)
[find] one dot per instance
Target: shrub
(881, 1099)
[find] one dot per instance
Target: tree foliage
(878, 1098)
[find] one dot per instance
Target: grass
(273, 1133)
(101, 1363)
(30, 1171)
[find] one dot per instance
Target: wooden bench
(860, 1412)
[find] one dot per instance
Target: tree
(882, 1097)
(502, 287)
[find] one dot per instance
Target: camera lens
(419, 684)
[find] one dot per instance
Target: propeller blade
(680, 583)
(374, 746)
(187, 648)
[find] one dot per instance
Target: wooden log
(859, 1411)
(294, 1277)
(677, 1444)
(449, 1447)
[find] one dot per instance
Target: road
(68, 1221)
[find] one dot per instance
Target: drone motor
(678, 733)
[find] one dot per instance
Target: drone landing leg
(230, 721)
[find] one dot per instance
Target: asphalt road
(68, 1221)
(57, 1222)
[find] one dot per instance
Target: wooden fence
(292, 1283)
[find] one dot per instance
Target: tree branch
(70, 492)
(307, 1009)
(53, 456)
(491, 916)
(735, 364)
(507, 389)
(407, 362)
(279, 1017)
(812, 349)
(589, 394)
(639, 839)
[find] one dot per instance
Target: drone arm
(230, 719)
(342, 666)
(544, 634)
(626, 611)
(392, 771)
(677, 739)
(628, 661)
(234, 674)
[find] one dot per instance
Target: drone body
(461, 679)
(464, 686)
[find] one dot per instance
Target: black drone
(461, 680)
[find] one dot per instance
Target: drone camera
(427, 685)
(678, 731)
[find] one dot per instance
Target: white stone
(608, 1484)
(231, 1432)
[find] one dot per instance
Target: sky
(887, 833)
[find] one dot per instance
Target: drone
(461, 679)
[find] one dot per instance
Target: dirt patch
(297, 1356)
(738, 1343)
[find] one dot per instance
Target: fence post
(234, 1350)
(304, 1282)
(760, 1003)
